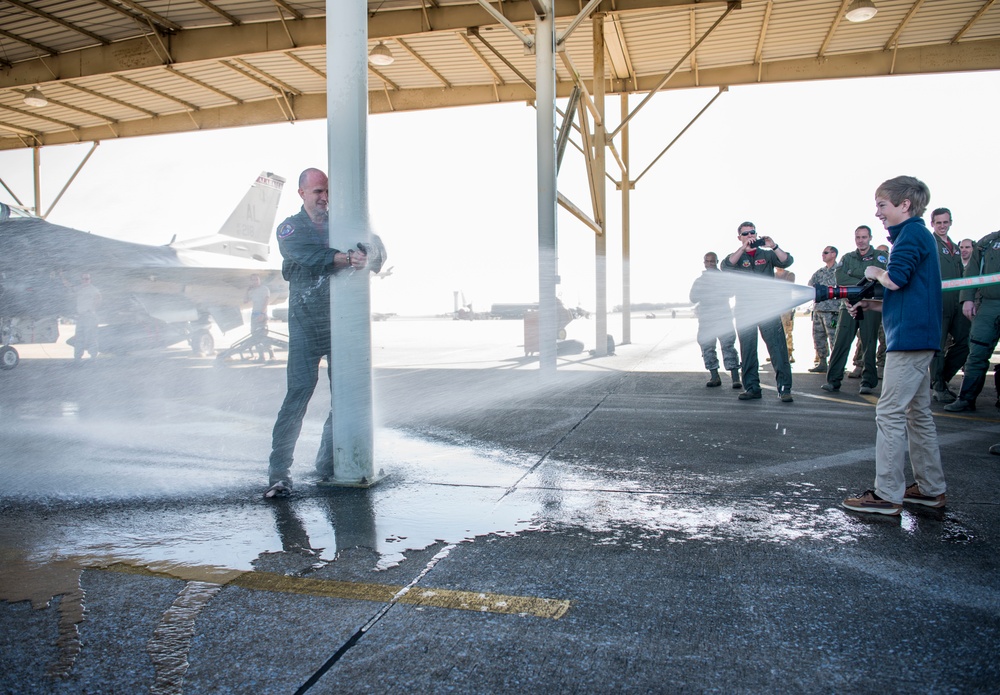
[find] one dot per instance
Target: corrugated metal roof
(117, 69)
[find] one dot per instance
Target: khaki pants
(904, 422)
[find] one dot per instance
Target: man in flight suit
(759, 259)
(851, 271)
(981, 306)
(953, 353)
(303, 240)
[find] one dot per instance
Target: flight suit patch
(285, 231)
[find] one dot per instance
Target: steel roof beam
(521, 76)
(497, 78)
(666, 78)
(204, 85)
(962, 57)
(219, 11)
(902, 25)
(158, 92)
(113, 100)
(216, 43)
(56, 20)
(79, 109)
(528, 41)
(28, 42)
(430, 68)
(141, 14)
(975, 18)
(614, 42)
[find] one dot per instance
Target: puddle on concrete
(171, 642)
(436, 493)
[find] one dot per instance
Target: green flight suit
(850, 272)
(946, 363)
(985, 330)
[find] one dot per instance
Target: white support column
(36, 168)
(600, 168)
(350, 300)
(545, 103)
(626, 231)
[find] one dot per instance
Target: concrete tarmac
(618, 527)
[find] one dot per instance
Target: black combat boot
(736, 378)
(715, 380)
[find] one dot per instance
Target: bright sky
(453, 192)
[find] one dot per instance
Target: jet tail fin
(249, 228)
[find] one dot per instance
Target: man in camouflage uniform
(851, 271)
(985, 317)
(787, 318)
(953, 323)
(715, 322)
(824, 314)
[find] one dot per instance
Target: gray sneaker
(830, 387)
(960, 406)
(865, 390)
(945, 395)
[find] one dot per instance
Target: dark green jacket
(985, 260)
(851, 266)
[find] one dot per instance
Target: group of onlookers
(915, 333)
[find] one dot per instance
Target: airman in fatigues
(982, 306)
(824, 315)
(715, 322)
(953, 353)
(759, 259)
(851, 271)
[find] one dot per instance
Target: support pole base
(364, 483)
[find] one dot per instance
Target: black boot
(736, 378)
(715, 380)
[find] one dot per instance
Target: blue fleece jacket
(911, 315)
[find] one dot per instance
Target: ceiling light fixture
(35, 98)
(381, 55)
(861, 11)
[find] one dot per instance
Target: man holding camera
(851, 271)
(759, 256)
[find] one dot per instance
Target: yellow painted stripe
(480, 602)
(417, 596)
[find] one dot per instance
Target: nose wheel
(8, 357)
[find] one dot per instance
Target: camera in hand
(758, 242)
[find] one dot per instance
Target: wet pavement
(618, 527)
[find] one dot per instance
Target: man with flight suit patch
(953, 353)
(850, 272)
(303, 240)
(759, 258)
(981, 305)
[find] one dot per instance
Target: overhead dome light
(381, 55)
(861, 11)
(35, 98)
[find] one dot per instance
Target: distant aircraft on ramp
(153, 296)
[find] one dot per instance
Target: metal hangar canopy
(89, 70)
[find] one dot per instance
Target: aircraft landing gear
(202, 343)
(8, 357)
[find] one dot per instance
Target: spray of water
(757, 299)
